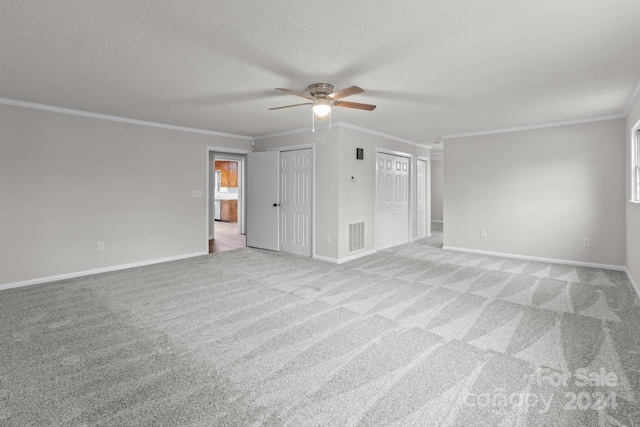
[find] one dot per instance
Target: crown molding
(533, 127)
(633, 98)
(99, 116)
(343, 125)
(383, 135)
(288, 132)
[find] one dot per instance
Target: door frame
(427, 160)
(211, 152)
(410, 206)
(312, 146)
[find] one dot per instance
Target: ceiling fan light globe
(321, 110)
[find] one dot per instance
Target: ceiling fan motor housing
(321, 90)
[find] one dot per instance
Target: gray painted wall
(437, 186)
(357, 200)
(68, 182)
(339, 201)
(539, 192)
(632, 209)
(325, 144)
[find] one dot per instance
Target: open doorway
(437, 211)
(226, 202)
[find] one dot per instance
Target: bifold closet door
(392, 201)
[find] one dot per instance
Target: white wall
(68, 182)
(632, 209)
(437, 186)
(538, 193)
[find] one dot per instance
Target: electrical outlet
(586, 243)
(483, 234)
(327, 238)
(100, 246)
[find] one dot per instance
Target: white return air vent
(356, 236)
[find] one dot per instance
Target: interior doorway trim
(394, 153)
(211, 151)
(427, 160)
(293, 147)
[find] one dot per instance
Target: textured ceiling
(434, 68)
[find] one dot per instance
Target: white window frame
(635, 164)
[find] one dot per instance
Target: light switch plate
(197, 193)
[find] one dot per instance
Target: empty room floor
(410, 336)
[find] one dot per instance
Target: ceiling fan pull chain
(313, 121)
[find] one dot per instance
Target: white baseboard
(633, 282)
(345, 259)
(533, 258)
(436, 220)
(96, 271)
(326, 259)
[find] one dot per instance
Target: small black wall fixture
(359, 153)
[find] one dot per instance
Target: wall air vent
(356, 236)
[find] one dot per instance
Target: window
(635, 166)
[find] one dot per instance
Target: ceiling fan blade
(343, 93)
(289, 106)
(296, 93)
(356, 105)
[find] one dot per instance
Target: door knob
(275, 205)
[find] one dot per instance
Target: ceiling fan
(323, 98)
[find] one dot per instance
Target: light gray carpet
(409, 336)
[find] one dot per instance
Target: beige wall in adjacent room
(68, 182)
(632, 209)
(539, 193)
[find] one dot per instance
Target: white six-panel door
(295, 201)
(401, 205)
(384, 201)
(392, 201)
(285, 198)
